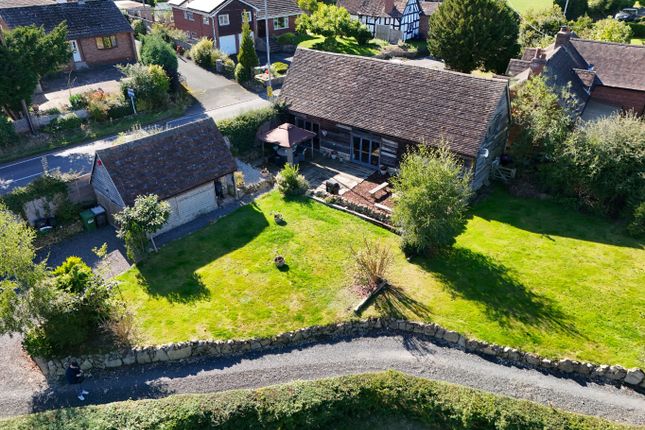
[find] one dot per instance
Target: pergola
(287, 137)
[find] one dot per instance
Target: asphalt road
(407, 354)
(217, 97)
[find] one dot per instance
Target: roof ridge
(627, 45)
(402, 64)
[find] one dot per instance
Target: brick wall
(124, 52)
(196, 28)
(626, 99)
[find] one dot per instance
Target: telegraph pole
(266, 26)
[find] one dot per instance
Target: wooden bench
(378, 188)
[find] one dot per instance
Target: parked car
(631, 14)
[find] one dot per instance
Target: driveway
(58, 88)
(350, 356)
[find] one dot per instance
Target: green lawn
(524, 5)
(344, 46)
(526, 273)
(637, 41)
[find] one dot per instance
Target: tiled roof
(515, 66)
(413, 103)
(89, 19)
(560, 73)
(429, 7)
(170, 162)
(616, 64)
(277, 8)
(382, 8)
(5, 4)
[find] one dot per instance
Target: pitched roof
(429, 7)
(5, 4)
(90, 19)
(277, 8)
(170, 162)
(382, 8)
(616, 64)
(413, 103)
(560, 71)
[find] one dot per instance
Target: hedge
(328, 403)
(45, 186)
(241, 130)
(638, 29)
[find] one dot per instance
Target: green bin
(89, 223)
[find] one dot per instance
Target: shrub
(602, 8)
(638, 29)
(168, 33)
(279, 69)
(156, 51)
(139, 28)
(150, 85)
(241, 130)
(432, 199)
(202, 53)
(45, 186)
(372, 262)
(357, 401)
(609, 30)
(637, 226)
(78, 101)
(290, 181)
(287, 39)
(73, 275)
(539, 26)
(7, 132)
(137, 222)
(68, 121)
(247, 57)
(360, 32)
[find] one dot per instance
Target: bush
(357, 401)
(168, 33)
(7, 132)
(139, 28)
(78, 101)
(46, 186)
(241, 130)
(637, 227)
(287, 39)
(279, 69)
(150, 85)
(432, 199)
(290, 181)
(360, 32)
(372, 263)
(539, 26)
(247, 57)
(603, 8)
(638, 29)
(156, 51)
(609, 30)
(202, 53)
(65, 122)
(73, 275)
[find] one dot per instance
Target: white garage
(189, 166)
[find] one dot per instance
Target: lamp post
(266, 27)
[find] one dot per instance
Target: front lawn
(524, 5)
(526, 273)
(345, 46)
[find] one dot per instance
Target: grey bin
(100, 215)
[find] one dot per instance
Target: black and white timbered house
(390, 20)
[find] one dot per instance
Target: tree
(472, 34)
(150, 85)
(575, 8)
(136, 222)
(329, 21)
(609, 30)
(155, 50)
(139, 28)
(539, 26)
(599, 9)
(247, 57)
(432, 193)
(308, 6)
(544, 118)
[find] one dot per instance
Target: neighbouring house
(136, 9)
(603, 77)
(390, 20)
(190, 167)
(371, 111)
(98, 33)
(427, 9)
(221, 20)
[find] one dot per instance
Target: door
(366, 150)
(228, 44)
(311, 126)
(76, 53)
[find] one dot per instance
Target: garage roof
(170, 162)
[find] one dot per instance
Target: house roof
(381, 8)
(560, 72)
(429, 7)
(277, 8)
(90, 19)
(616, 64)
(413, 103)
(6, 4)
(170, 162)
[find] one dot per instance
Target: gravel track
(352, 356)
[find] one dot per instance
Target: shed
(190, 167)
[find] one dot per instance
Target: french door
(311, 126)
(366, 150)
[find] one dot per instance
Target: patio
(322, 169)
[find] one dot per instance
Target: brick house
(221, 20)
(98, 33)
(603, 77)
(370, 112)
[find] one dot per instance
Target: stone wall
(356, 328)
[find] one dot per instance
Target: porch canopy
(287, 137)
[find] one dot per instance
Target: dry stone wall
(613, 374)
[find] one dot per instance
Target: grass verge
(361, 400)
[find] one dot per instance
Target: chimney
(538, 62)
(563, 36)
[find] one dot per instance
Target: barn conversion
(190, 167)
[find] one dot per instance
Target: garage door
(228, 45)
(189, 205)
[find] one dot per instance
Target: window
(281, 23)
(189, 15)
(206, 20)
(248, 16)
(193, 35)
(106, 42)
(223, 19)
